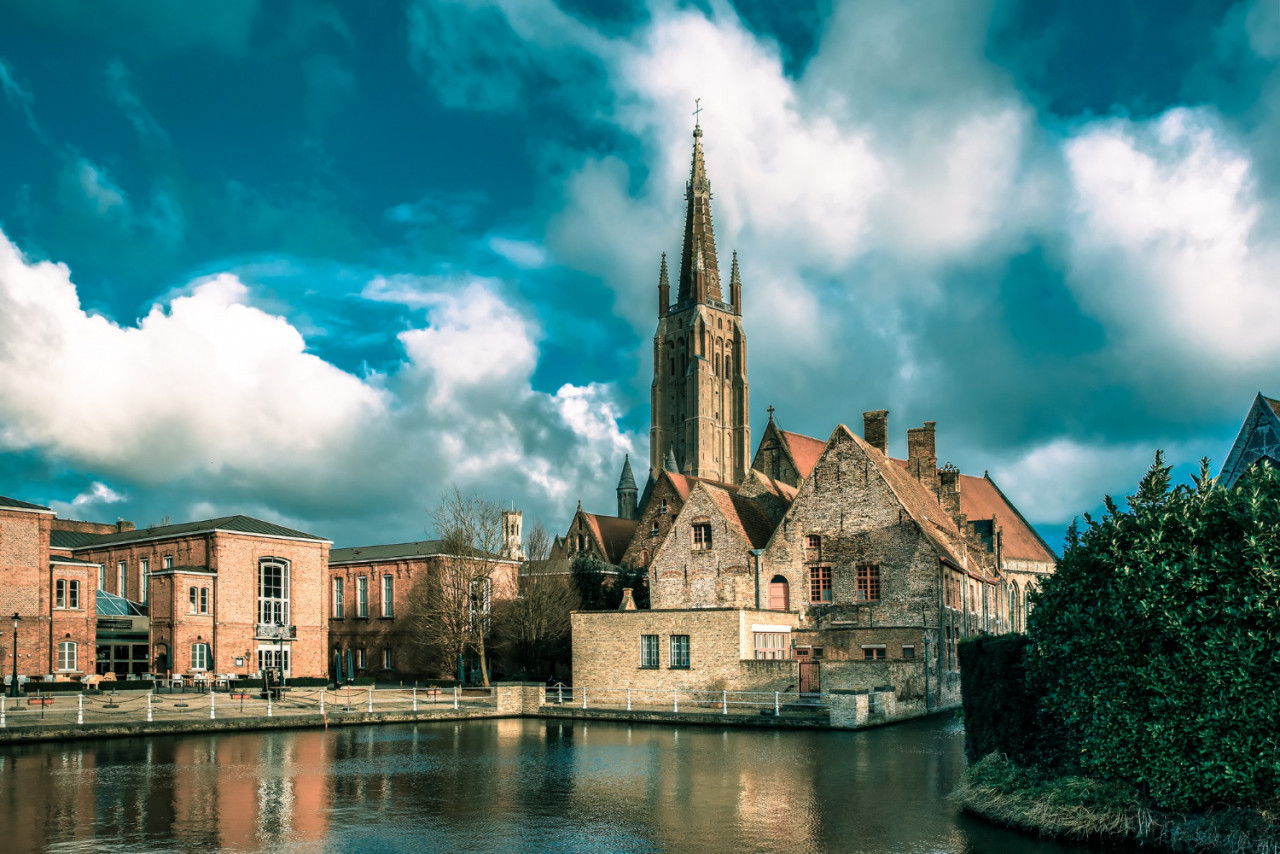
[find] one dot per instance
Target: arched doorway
(779, 594)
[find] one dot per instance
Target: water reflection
(499, 785)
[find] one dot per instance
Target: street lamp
(280, 645)
(13, 689)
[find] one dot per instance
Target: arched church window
(717, 364)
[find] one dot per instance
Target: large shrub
(999, 703)
(1158, 641)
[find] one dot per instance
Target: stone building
(824, 564)
(1257, 442)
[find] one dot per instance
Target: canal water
(505, 785)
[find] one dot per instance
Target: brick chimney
(922, 455)
(875, 429)
(949, 492)
(628, 601)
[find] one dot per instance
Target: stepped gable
(614, 534)
(804, 450)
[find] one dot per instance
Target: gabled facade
(604, 537)
(1257, 442)
(786, 457)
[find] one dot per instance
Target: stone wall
(722, 576)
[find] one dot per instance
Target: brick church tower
(699, 405)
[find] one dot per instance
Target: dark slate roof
(72, 539)
(627, 480)
(391, 551)
(1274, 404)
(238, 524)
(15, 504)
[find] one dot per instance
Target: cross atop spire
(699, 270)
(697, 119)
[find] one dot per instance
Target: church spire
(699, 270)
(735, 286)
(664, 288)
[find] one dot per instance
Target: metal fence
(83, 709)
(687, 700)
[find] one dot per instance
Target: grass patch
(1083, 809)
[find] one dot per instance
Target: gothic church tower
(699, 405)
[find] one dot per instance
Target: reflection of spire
(699, 272)
(670, 463)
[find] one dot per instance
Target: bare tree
(451, 608)
(538, 542)
(534, 630)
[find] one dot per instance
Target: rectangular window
(772, 645)
(386, 658)
(820, 584)
(362, 659)
(144, 580)
(73, 594)
(67, 655)
(388, 595)
(813, 547)
(869, 582)
(193, 599)
(270, 656)
(908, 651)
(702, 535)
(873, 652)
(168, 561)
(122, 569)
(199, 656)
(339, 606)
(648, 650)
(60, 593)
(362, 596)
(204, 600)
(273, 592)
(102, 576)
(680, 652)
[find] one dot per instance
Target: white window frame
(273, 600)
(200, 655)
(362, 597)
(388, 595)
(386, 658)
(68, 656)
(168, 561)
(102, 576)
(649, 652)
(362, 658)
(339, 600)
(680, 653)
(122, 577)
(144, 580)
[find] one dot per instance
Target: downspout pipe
(756, 554)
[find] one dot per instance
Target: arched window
(717, 364)
(67, 657)
(273, 591)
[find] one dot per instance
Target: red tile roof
(684, 484)
(743, 515)
(805, 450)
(613, 533)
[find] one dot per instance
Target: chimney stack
(922, 455)
(875, 429)
(628, 601)
(949, 492)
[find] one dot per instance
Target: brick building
(825, 564)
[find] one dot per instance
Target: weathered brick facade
(25, 586)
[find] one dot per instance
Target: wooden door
(810, 677)
(779, 594)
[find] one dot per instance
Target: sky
(316, 263)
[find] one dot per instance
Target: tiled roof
(805, 450)
(1274, 404)
(743, 514)
(980, 498)
(390, 551)
(15, 504)
(239, 524)
(785, 491)
(71, 539)
(684, 484)
(613, 533)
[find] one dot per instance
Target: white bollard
(370, 704)
(268, 704)
(322, 702)
(560, 693)
(80, 710)
(584, 697)
(724, 701)
(675, 700)
(211, 696)
(455, 696)
(149, 706)
(628, 699)
(775, 704)
(415, 698)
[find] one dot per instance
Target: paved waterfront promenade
(133, 713)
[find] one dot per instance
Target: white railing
(707, 701)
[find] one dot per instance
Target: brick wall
(25, 589)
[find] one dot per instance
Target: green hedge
(999, 704)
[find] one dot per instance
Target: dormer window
(653, 530)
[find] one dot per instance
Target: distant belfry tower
(699, 406)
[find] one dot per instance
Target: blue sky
(316, 262)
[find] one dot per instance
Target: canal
(504, 785)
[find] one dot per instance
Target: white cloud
(1164, 243)
(88, 504)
